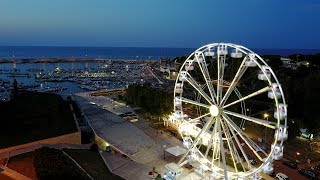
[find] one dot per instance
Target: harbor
(66, 77)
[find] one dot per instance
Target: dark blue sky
(161, 23)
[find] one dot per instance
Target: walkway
(118, 132)
(146, 157)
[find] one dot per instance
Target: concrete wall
(72, 138)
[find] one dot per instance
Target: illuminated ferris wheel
(223, 96)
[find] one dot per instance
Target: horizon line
(81, 46)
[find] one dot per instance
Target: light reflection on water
(47, 67)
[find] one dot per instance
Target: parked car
(282, 176)
(252, 160)
(308, 173)
(290, 164)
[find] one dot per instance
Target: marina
(73, 77)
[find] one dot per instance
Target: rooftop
(117, 131)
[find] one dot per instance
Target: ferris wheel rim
(245, 51)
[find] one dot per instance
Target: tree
(154, 101)
(14, 92)
(311, 101)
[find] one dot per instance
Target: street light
(298, 155)
(164, 151)
(266, 116)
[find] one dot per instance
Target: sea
(124, 53)
(120, 52)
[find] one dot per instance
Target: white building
(288, 63)
(303, 63)
(171, 72)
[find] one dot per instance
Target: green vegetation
(154, 101)
(92, 162)
(302, 92)
(301, 89)
(34, 116)
(62, 168)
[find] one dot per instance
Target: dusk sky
(162, 23)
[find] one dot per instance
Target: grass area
(92, 162)
(34, 116)
(23, 164)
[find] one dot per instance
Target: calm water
(48, 67)
(96, 52)
(119, 52)
(91, 52)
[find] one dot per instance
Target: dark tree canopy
(155, 101)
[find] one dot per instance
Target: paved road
(291, 173)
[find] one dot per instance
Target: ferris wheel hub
(214, 110)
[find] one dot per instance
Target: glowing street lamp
(266, 116)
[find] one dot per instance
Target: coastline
(56, 60)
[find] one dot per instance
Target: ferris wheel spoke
(222, 150)
(263, 90)
(194, 84)
(218, 78)
(243, 136)
(229, 141)
(240, 147)
(221, 66)
(236, 153)
(215, 147)
(196, 119)
(195, 142)
(206, 75)
(235, 80)
(210, 141)
(193, 102)
(265, 123)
